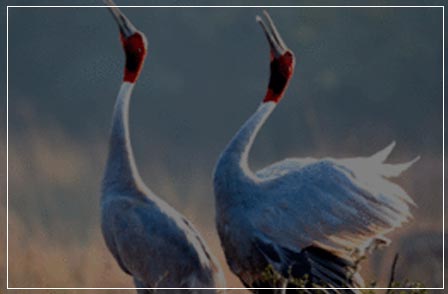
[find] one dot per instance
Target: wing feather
(310, 267)
(383, 154)
(339, 204)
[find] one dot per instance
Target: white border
(7, 146)
(208, 6)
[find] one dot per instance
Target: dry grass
(37, 261)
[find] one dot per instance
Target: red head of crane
(282, 63)
(134, 44)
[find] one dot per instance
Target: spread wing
(340, 205)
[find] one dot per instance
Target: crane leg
(139, 284)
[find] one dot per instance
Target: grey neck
(121, 172)
(233, 164)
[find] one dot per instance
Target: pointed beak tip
(276, 43)
(124, 24)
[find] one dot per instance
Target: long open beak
(124, 24)
(276, 42)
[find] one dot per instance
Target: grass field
(54, 236)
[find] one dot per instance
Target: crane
(301, 222)
(149, 239)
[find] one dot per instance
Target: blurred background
(364, 77)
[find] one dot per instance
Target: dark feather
(313, 266)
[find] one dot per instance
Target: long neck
(121, 171)
(233, 164)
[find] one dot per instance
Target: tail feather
(383, 154)
(394, 170)
(386, 169)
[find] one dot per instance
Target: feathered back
(336, 204)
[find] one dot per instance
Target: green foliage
(407, 284)
(275, 279)
(271, 276)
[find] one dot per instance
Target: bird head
(133, 41)
(282, 61)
